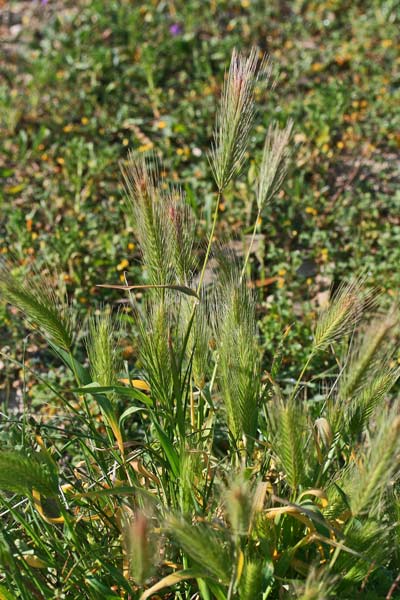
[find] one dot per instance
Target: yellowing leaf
(171, 580)
(34, 561)
(240, 565)
(38, 505)
(318, 493)
(136, 383)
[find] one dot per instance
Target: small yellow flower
(44, 156)
(310, 210)
(161, 124)
(84, 120)
(68, 128)
(131, 246)
(282, 272)
(316, 67)
(145, 147)
(324, 254)
(125, 142)
(387, 43)
(60, 160)
(340, 145)
(309, 281)
(342, 59)
(123, 265)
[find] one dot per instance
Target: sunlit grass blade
(235, 115)
(377, 465)
(239, 354)
(366, 353)
(101, 348)
(274, 163)
(149, 219)
(40, 302)
(289, 421)
(342, 314)
(204, 545)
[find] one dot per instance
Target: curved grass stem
(253, 236)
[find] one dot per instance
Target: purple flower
(175, 29)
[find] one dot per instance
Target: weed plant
(192, 473)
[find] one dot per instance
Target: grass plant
(192, 472)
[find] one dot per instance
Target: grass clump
(193, 468)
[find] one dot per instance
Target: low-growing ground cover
(204, 433)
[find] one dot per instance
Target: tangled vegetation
(197, 470)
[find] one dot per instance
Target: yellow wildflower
(123, 265)
(310, 210)
(324, 254)
(145, 147)
(316, 67)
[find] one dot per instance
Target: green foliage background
(82, 82)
